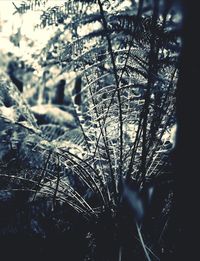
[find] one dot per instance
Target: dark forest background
(75, 182)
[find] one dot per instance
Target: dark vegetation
(88, 155)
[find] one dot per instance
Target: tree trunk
(186, 157)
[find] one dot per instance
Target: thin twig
(142, 242)
(117, 87)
